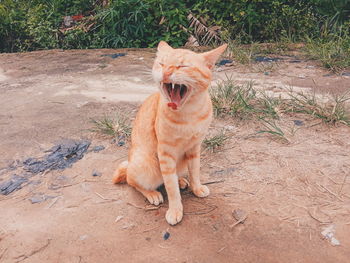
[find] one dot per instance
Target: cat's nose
(167, 73)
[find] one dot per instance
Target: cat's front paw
(174, 215)
(154, 197)
(201, 191)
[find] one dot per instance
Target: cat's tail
(120, 174)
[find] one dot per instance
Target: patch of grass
(270, 127)
(333, 51)
(242, 54)
(215, 142)
(268, 106)
(333, 111)
(115, 126)
(232, 99)
(243, 101)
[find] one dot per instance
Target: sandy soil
(290, 192)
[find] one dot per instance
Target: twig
(3, 253)
(24, 257)
(221, 249)
(215, 182)
(54, 202)
(58, 102)
(136, 206)
(201, 211)
(315, 218)
(342, 185)
(329, 191)
(104, 198)
(147, 208)
(152, 207)
(239, 221)
(147, 230)
(163, 246)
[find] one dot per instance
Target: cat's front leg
(167, 162)
(193, 162)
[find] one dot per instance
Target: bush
(259, 20)
(37, 24)
(137, 23)
(332, 50)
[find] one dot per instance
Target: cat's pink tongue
(175, 96)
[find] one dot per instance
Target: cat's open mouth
(177, 93)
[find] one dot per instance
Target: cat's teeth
(172, 85)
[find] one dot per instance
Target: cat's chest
(190, 131)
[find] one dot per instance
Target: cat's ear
(212, 56)
(163, 46)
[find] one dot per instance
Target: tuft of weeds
(215, 142)
(271, 127)
(332, 112)
(229, 98)
(115, 126)
(333, 51)
(242, 54)
(243, 101)
(268, 106)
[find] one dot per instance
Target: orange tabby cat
(170, 127)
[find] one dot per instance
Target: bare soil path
(290, 192)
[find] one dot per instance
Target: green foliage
(215, 142)
(259, 20)
(40, 30)
(116, 126)
(332, 50)
(138, 23)
(37, 24)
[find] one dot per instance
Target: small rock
(98, 148)
(266, 59)
(298, 122)
(225, 62)
(266, 73)
(96, 173)
(115, 55)
(36, 199)
(239, 215)
(118, 218)
(166, 235)
(329, 233)
(126, 226)
(295, 61)
(83, 237)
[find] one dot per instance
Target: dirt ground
(290, 192)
